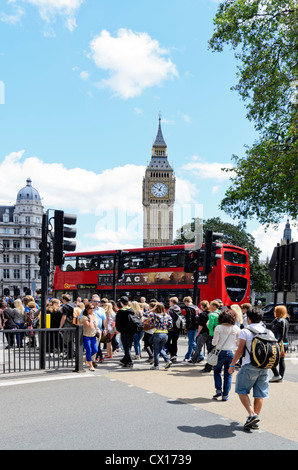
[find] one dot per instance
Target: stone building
(20, 235)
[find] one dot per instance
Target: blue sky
(81, 85)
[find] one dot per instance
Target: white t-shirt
(248, 336)
(226, 336)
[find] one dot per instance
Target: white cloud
(207, 170)
(48, 10)
(84, 75)
(267, 240)
(185, 117)
(75, 188)
(134, 61)
(14, 17)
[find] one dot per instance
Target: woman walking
(162, 323)
(225, 338)
(280, 328)
(90, 329)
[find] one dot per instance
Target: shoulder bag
(212, 357)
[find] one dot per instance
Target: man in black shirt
(202, 335)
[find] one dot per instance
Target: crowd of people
(110, 328)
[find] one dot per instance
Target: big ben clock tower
(158, 196)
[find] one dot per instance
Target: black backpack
(265, 350)
(135, 324)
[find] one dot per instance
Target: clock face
(159, 189)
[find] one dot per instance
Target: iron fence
(37, 349)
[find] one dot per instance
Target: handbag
(106, 337)
(281, 342)
(212, 357)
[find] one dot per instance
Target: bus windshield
(235, 257)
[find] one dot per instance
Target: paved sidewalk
(184, 382)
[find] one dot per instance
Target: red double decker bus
(154, 273)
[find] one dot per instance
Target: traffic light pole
(44, 289)
(114, 276)
(196, 296)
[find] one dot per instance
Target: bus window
(106, 262)
(236, 270)
(69, 263)
(87, 263)
(136, 260)
(171, 259)
(235, 257)
(153, 259)
(236, 287)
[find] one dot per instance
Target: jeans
(224, 361)
(20, 336)
(191, 334)
(201, 340)
(159, 341)
(90, 345)
(136, 342)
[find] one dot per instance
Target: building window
(6, 243)
(16, 231)
(16, 259)
(6, 231)
(5, 258)
(16, 219)
(27, 244)
(16, 244)
(16, 274)
(5, 218)
(27, 231)
(5, 273)
(27, 220)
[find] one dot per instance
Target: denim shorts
(250, 377)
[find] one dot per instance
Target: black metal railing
(38, 349)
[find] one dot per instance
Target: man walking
(173, 333)
(122, 326)
(250, 377)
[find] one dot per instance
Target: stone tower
(158, 196)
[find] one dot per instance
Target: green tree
(234, 235)
(263, 34)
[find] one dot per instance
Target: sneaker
(168, 364)
(256, 426)
(154, 368)
(128, 366)
(217, 395)
(276, 378)
(174, 358)
(225, 398)
(251, 421)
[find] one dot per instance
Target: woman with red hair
(280, 328)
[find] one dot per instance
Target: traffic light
(48, 257)
(61, 232)
(40, 254)
(192, 260)
(123, 263)
(211, 247)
